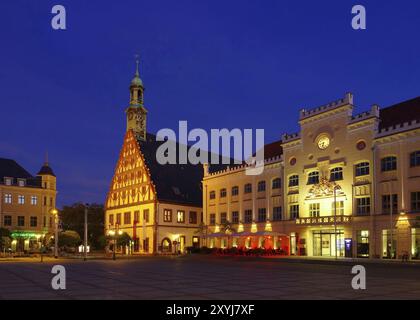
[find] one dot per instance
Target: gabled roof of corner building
(11, 169)
(400, 113)
(176, 183)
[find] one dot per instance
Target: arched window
(313, 177)
(223, 193)
(362, 169)
(293, 180)
(235, 191)
(389, 164)
(212, 195)
(336, 174)
(276, 184)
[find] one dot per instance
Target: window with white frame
(339, 206)
(34, 200)
(21, 199)
(8, 198)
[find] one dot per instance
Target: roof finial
(137, 65)
(46, 158)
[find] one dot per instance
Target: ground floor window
(415, 243)
(363, 243)
(196, 242)
(293, 243)
(389, 244)
(166, 245)
(136, 244)
(328, 243)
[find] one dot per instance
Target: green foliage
(69, 238)
(102, 242)
(73, 218)
(5, 238)
(123, 240)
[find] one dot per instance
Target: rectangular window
(415, 159)
(223, 218)
(44, 221)
(21, 221)
(8, 198)
(136, 217)
(262, 215)
(193, 217)
(235, 217)
(223, 193)
(7, 221)
(167, 215)
(294, 211)
(146, 215)
(45, 201)
(34, 222)
(314, 210)
(389, 164)
(111, 219)
(248, 216)
(277, 215)
(21, 199)
(212, 219)
(212, 195)
(180, 216)
(34, 200)
(261, 186)
(235, 191)
(415, 201)
(248, 188)
(276, 184)
(118, 219)
(339, 206)
(362, 169)
(363, 206)
(386, 203)
(127, 217)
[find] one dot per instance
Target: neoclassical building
(27, 204)
(158, 206)
(343, 185)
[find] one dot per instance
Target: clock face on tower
(323, 142)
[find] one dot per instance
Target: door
(326, 244)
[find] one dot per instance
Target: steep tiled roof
(176, 183)
(399, 113)
(273, 150)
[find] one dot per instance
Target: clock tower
(136, 112)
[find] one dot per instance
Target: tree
(5, 238)
(202, 231)
(73, 218)
(123, 240)
(69, 238)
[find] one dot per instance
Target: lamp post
(55, 213)
(391, 204)
(114, 234)
(86, 232)
(335, 220)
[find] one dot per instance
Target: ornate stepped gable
(132, 182)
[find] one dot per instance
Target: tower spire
(46, 158)
(137, 66)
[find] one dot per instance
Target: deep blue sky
(233, 64)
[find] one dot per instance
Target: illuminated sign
(323, 220)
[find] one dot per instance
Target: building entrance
(325, 243)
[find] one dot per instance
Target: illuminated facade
(26, 204)
(344, 185)
(158, 206)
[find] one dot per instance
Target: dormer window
(8, 181)
(21, 182)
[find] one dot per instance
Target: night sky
(217, 64)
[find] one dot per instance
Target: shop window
(363, 243)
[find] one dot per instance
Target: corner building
(344, 185)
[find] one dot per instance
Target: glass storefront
(389, 244)
(326, 242)
(415, 243)
(363, 243)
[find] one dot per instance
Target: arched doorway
(166, 245)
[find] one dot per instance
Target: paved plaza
(206, 277)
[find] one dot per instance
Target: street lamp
(114, 234)
(55, 213)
